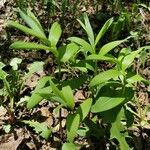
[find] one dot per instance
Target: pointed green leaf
(103, 30)
(106, 103)
(101, 58)
(35, 98)
(110, 46)
(55, 33)
(117, 131)
(104, 76)
(30, 14)
(27, 31)
(72, 125)
(70, 50)
(86, 46)
(128, 60)
(89, 29)
(57, 92)
(84, 109)
(68, 95)
(110, 98)
(31, 45)
(32, 22)
(136, 78)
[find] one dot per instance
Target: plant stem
(60, 111)
(95, 72)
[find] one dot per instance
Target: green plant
(12, 86)
(114, 88)
(111, 89)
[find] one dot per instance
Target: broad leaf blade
(104, 76)
(106, 103)
(117, 131)
(86, 46)
(128, 60)
(84, 109)
(55, 33)
(70, 50)
(73, 121)
(68, 95)
(110, 46)
(101, 58)
(35, 98)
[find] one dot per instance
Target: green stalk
(60, 112)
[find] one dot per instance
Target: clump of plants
(106, 112)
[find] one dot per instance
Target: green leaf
(58, 93)
(86, 46)
(128, 60)
(14, 63)
(35, 67)
(84, 65)
(55, 33)
(104, 76)
(36, 98)
(103, 30)
(84, 109)
(73, 120)
(101, 58)
(27, 31)
(106, 103)
(136, 78)
(110, 46)
(31, 15)
(72, 125)
(111, 98)
(89, 29)
(70, 50)
(32, 22)
(68, 95)
(40, 128)
(69, 146)
(75, 83)
(117, 131)
(31, 45)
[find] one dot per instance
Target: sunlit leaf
(32, 46)
(86, 46)
(110, 46)
(103, 30)
(32, 22)
(40, 128)
(104, 76)
(27, 31)
(68, 95)
(55, 33)
(69, 51)
(72, 125)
